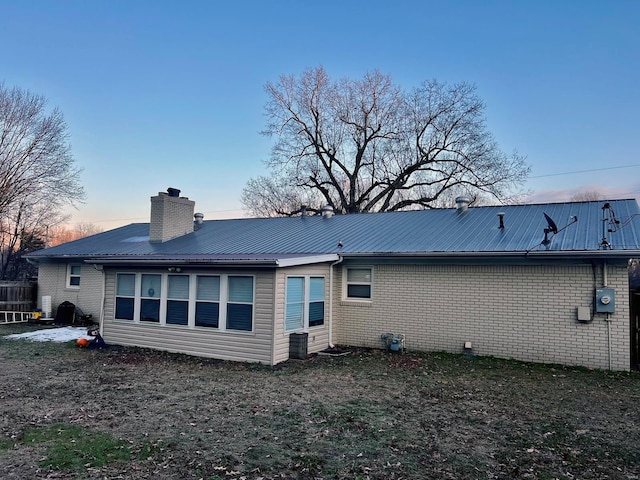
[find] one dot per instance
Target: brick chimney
(171, 216)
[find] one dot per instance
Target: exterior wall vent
(171, 216)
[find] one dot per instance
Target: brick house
(540, 283)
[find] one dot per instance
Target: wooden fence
(18, 296)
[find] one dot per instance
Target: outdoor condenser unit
(46, 306)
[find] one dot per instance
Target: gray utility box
(298, 345)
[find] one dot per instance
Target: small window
(73, 276)
(359, 283)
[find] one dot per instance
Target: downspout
(101, 325)
(605, 281)
(331, 345)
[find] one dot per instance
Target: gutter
(590, 254)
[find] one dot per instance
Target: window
(304, 302)
(294, 317)
(240, 303)
(150, 298)
(316, 301)
(208, 301)
(224, 302)
(73, 276)
(358, 284)
(178, 300)
(125, 295)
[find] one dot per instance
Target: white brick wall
(524, 312)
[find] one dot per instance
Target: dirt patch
(368, 414)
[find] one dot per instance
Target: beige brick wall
(52, 280)
(524, 312)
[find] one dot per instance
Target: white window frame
(305, 303)
(222, 303)
(346, 283)
(71, 275)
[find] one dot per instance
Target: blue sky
(162, 94)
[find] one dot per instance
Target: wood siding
(255, 346)
(318, 336)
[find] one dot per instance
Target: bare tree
(23, 228)
(367, 145)
(37, 174)
(587, 196)
(58, 234)
(35, 155)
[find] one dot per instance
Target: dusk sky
(161, 94)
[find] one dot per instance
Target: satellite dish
(551, 228)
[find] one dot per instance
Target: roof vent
(462, 203)
(501, 217)
(327, 211)
(303, 210)
(198, 219)
(173, 192)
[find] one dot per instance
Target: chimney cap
(173, 192)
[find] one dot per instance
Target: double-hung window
(240, 303)
(358, 283)
(178, 300)
(150, 297)
(208, 301)
(125, 295)
(73, 276)
(304, 302)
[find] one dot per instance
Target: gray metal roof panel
(427, 231)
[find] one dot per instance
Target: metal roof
(441, 232)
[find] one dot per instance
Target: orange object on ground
(82, 342)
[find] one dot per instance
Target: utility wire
(585, 171)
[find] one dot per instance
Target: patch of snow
(63, 334)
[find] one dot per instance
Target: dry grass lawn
(138, 414)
